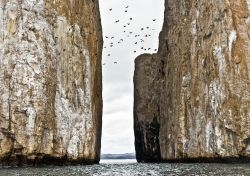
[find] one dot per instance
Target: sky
(120, 50)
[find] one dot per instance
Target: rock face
(50, 81)
(192, 98)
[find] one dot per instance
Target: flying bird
(110, 9)
(154, 19)
(126, 7)
(115, 62)
(131, 18)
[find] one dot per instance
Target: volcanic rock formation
(192, 98)
(50, 81)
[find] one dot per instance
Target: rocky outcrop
(192, 98)
(50, 81)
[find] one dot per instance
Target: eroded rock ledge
(192, 98)
(50, 81)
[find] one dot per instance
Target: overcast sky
(117, 134)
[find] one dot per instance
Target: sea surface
(131, 168)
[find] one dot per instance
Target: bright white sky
(117, 134)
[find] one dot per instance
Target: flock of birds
(139, 37)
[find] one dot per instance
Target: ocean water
(131, 168)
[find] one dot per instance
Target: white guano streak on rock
(214, 92)
(232, 38)
(209, 130)
(88, 101)
(218, 139)
(194, 27)
(248, 4)
(218, 54)
(31, 114)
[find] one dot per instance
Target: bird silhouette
(110, 9)
(115, 62)
(154, 19)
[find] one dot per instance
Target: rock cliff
(50, 81)
(192, 98)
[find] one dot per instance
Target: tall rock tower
(192, 98)
(50, 81)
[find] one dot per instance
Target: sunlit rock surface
(192, 98)
(50, 81)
